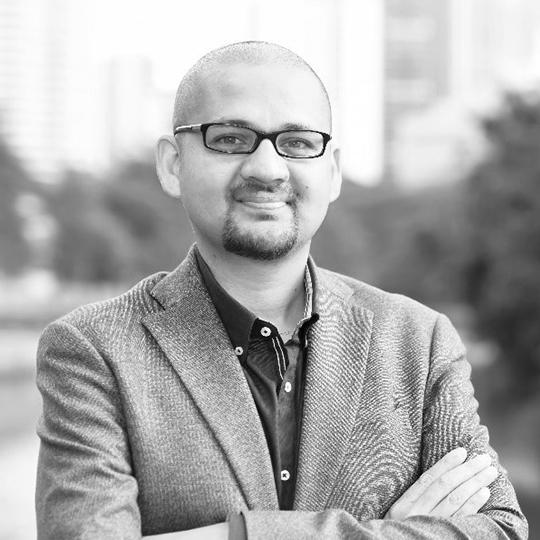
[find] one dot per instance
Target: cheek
(315, 187)
(205, 188)
(204, 205)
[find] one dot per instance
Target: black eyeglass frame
(261, 135)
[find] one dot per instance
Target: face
(260, 205)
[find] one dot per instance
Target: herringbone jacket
(149, 425)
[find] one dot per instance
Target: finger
(448, 481)
(447, 463)
(463, 493)
(474, 504)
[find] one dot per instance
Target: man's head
(262, 205)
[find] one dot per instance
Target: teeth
(266, 205)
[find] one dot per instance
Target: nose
(265, 164)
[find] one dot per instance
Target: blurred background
(437, 110)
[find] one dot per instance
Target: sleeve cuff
(237, 527)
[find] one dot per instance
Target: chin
(268, 238)
(261, 247)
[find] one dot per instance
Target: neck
(272, 290)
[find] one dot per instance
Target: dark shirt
(274, 369)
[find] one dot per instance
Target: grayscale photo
(269, 270)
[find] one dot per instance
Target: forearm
(340, 524)
(218, 531)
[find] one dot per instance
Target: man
(249, 393)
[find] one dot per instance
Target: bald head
(252, 53)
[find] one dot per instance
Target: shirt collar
(238, 320)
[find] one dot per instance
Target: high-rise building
(495, 45)
(49, 88)
(417, 57)
(137, 112)
(444, 60)
(33, 80)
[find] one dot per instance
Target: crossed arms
(86, 487)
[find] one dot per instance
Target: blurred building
(417, 56)
(447, 61)
(82, 85)
(34, 72)
(495, 45)
(137, 112)
(78, 80)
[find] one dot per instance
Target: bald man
(249, 393)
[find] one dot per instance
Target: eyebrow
(245, 123)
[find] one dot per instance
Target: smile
(265, 205)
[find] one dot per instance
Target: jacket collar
(191, 334)
(335, 369)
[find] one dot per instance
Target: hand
(452, 487)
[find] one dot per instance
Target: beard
(259, 245)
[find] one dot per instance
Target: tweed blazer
(149, 426)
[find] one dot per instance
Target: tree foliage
(14, 180)
(116, 229)
(405, 242)
(502, 274)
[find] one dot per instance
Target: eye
(297, 143)
(230, 140)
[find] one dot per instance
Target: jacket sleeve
(85, 484)
(450, 420)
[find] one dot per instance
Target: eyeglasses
(234, 139)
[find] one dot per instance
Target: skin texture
(452, 487)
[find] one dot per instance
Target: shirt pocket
(381, 462)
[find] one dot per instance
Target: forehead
(265, 96)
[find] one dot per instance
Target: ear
(335, 188)
(168, 165)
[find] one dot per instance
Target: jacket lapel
(337, 355)
(194, 340)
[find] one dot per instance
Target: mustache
(280, 189)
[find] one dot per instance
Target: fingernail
(459, 452)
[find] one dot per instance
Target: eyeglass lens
(241, 140)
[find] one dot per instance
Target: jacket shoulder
(122, 310)
(383, 304)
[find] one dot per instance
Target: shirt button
(265, 331)
(238, 351)
(285, 475)
(288, 386)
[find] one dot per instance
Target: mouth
(263, 200)
(264, 205)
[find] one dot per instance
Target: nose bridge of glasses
(260, 137)
(264, 162)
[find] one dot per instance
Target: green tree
(502, 273)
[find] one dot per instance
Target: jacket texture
(149, 426)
